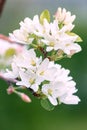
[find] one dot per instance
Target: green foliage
(47, 105)
(78, 37)
(45, 15)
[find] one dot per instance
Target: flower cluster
(35, 67)
(44, 77)
(51, 36)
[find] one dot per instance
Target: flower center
(67, 44)
(33, 62)
(52, 44)
(50, 91)
(42, 73)
(31, 81)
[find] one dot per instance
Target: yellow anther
(67, 44)
(33, 63)
(50, 91)
(42, 73)
(31, 81)
(52, 44)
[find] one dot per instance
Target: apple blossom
(35, 67)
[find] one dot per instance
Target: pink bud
(24, 97)
(10, 90)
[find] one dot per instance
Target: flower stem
(43, 52)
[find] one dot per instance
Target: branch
(2, 3)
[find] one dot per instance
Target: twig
(3, 37)
(43, 51)
(2, 3)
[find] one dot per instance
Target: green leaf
(47, 105)
(79, 39)
(45, 15)
(73, 34)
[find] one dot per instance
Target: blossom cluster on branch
(36, 67)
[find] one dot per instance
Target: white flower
(61, 89)
(27, 59)
(27, 28)
(12, 74)
(7, 50)
(71, 48)
(28, 80)
(45, 72)
(50, 33)
(5, 46)
(56, 39)
(32, 78)
(21, 36)
(64, 16)
(31, 26)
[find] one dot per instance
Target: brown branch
(2, 3)
(43, 52)
(3, 37)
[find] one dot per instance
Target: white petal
(53, 100)
(70, 99)
(35, 87)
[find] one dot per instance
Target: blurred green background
(17, 115)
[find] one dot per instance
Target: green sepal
(47, 105)
(79, 39)
(73, 34)
(45, 15)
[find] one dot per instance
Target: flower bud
(10, 90)
(25, 98)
